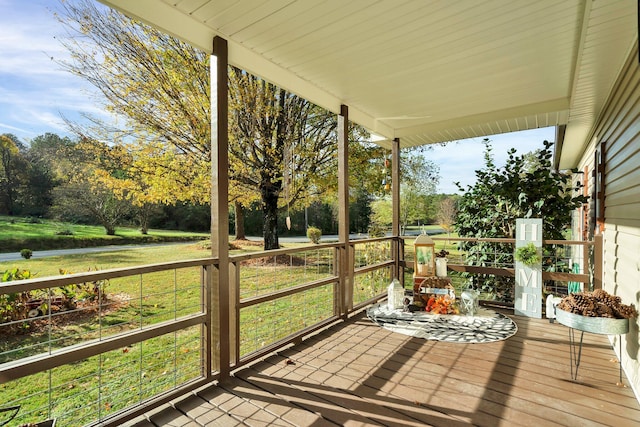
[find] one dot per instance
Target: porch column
(396, 244)
(219, 286)
(345, 293)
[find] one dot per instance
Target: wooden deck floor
(356, 373)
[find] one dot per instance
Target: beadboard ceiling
(424, 71)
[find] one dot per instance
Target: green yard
(112, 381)
(40, 234)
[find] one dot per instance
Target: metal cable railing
(140, 336)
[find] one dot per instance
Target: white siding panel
(629, 212)
(619, 126)
(627, 195)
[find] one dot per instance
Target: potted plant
(441, 263)
(422, 260)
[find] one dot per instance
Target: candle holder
(469, 303)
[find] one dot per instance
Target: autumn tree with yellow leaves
(282, 148)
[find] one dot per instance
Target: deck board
(358, 374)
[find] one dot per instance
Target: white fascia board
(556, 105)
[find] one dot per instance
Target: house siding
(619, 128)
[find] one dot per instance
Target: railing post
(346, 271)
(337, 293)
(234, 314)
(401, 260)
(207, 329)
(220, 199)
(395, 207)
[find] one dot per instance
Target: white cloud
(14, 129)
(34, 90)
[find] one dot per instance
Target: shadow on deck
(356, 373)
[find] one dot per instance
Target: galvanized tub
(595, 325)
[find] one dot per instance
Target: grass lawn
(113, 381)
(39, 234)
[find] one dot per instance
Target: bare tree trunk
(144, 216)
(239, 214)
(270, 216)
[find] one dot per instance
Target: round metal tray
(595, 325)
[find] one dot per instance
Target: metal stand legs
(575, 352)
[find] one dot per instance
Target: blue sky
(459, 160)
(35, 92)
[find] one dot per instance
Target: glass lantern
(425, 254)
(469, 302)
(395, 295)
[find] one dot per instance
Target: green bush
(376, 230)
(26, 253)
(14, 306)
(314, 234)
(94, 291)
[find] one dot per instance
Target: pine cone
(598, 303)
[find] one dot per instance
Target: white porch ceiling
(424, 71)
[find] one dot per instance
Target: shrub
(94, 291)
(376, 229)
(526, 187)
(314, 234)
(26, 253)
(14, 306)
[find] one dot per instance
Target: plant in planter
(528, 255)
(441, 263)
(421, 258)
(442, 253)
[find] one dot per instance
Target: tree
(520, 190)
(47, 168)
(82, 196)
(160, 85)
(281, 143)
(418, 180)
(527, 187)
(12, 172)
(81, 199)
(381, 216)
(156, 85)
(446, 215)
(130, 171)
